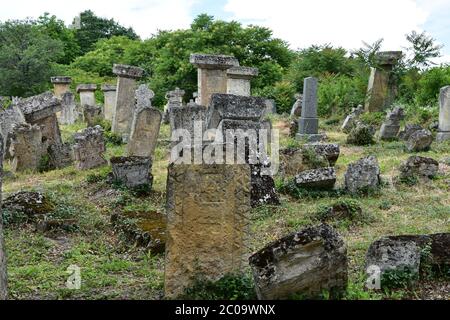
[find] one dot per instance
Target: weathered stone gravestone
(92, 114)
(350, 120)
(61, 86)
(408, 131)
(305, 263)
(390, 128)
(41, 110)
(125, 100)
(308, 126)
(174, 100)
(382, 89)
(321, 179)
(186, 117)
(419, 141)
(60, 156)
(89, 148)
(132, 171)
(26, 147)
(363, 175)
(239, 79)
(444, 115)
(109, 106)
(417, 167)
(87, 94)
(68, 114)
(145, 126)
(207, 222)
(212, 74)
(3, 273)
(9, 117)
(329, 151)
(296, 110)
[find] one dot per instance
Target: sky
(301, 23)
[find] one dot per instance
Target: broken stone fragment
(418, 167)
(419, 141)
(28, 203)
(363, 175)
(322, 178)
(132, 171)
(305, 263)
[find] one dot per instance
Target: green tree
(26, 58)
(422, 49)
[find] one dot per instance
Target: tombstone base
(443, 136)
(311, 137)
(308, 125)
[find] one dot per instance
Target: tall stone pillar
(444, 115)
(126, 87)
(87, 94)
(109, 92)
(382, 89)
(239, 80)
(212, 74)
(3, 274)
(308, 126)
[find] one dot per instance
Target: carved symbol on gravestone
(74, 280)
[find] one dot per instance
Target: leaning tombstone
(351, 119)
(145, 126)
(306, 263)
(391, 126)
(444, 115)
(26, 147)
(408, 131)
(89, 148)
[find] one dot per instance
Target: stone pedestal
(239, 80)
(132, 171)
(444, 115)
(381, 91)
(126, 87)
(87, 94)
(212, 74)
(61, 85)
(109, 92)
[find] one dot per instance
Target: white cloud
(343, 23)
(145, 16)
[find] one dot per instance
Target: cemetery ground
(113, 267)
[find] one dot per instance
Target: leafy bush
(361, 135)
(372, 118)
(282, 92)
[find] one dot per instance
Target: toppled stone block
(420, 141)
(89, 148)
(60, 156)
(132, 171)
(26, 147)
(305, 263)
(363, 175)
(296, 160)
(322, 178)
(418, 167)
(329, 151)
(408, 131)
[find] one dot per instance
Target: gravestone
(409, 129)
(61, 85)
(174, 100)
(89, 148)
(186, 117)
(3, 273)
(444, 115)
(87, 94)
(26, 147)
(125, 100)
(416, 167)
(308, 126)
(9, 117)
(212, 74)
(419, 141)
(132, 172)
(382, 89)
(239, 79)
(391, 126)
(351, 119)
(109, 106)
(304, 263)
(60, 156)
(296, 110)
(92, 114)
(317, 179)
(68, 114)
(145, 126)
(207, 223)
(363, 175)
(41, 110)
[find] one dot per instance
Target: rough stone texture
(41, 110)
(125, 99)
(26, 147)
(132, 171)
(3, 273)
(68, 114)
(271, 107)
(444, 115)
(420, 141)
(322, 178)
(305, 263)
(351, 119)
(28, 203)
(329, 151)
(186, 117)
(381, 90)
(9, 117)
(233, 107)
(361, 135)
(390, 128)
(239, 80)
(309, 123)
(263, 188)
(61, 85)
(174, 100)
(109, 93)
(145, 126)
(92, 114)
(296, 110)
(207, 213)
(212, 74)
(294, 160)
(408, 131)
(87, 94)
(418, 167)
(89, 148)
(60, 156)
(363, 175)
